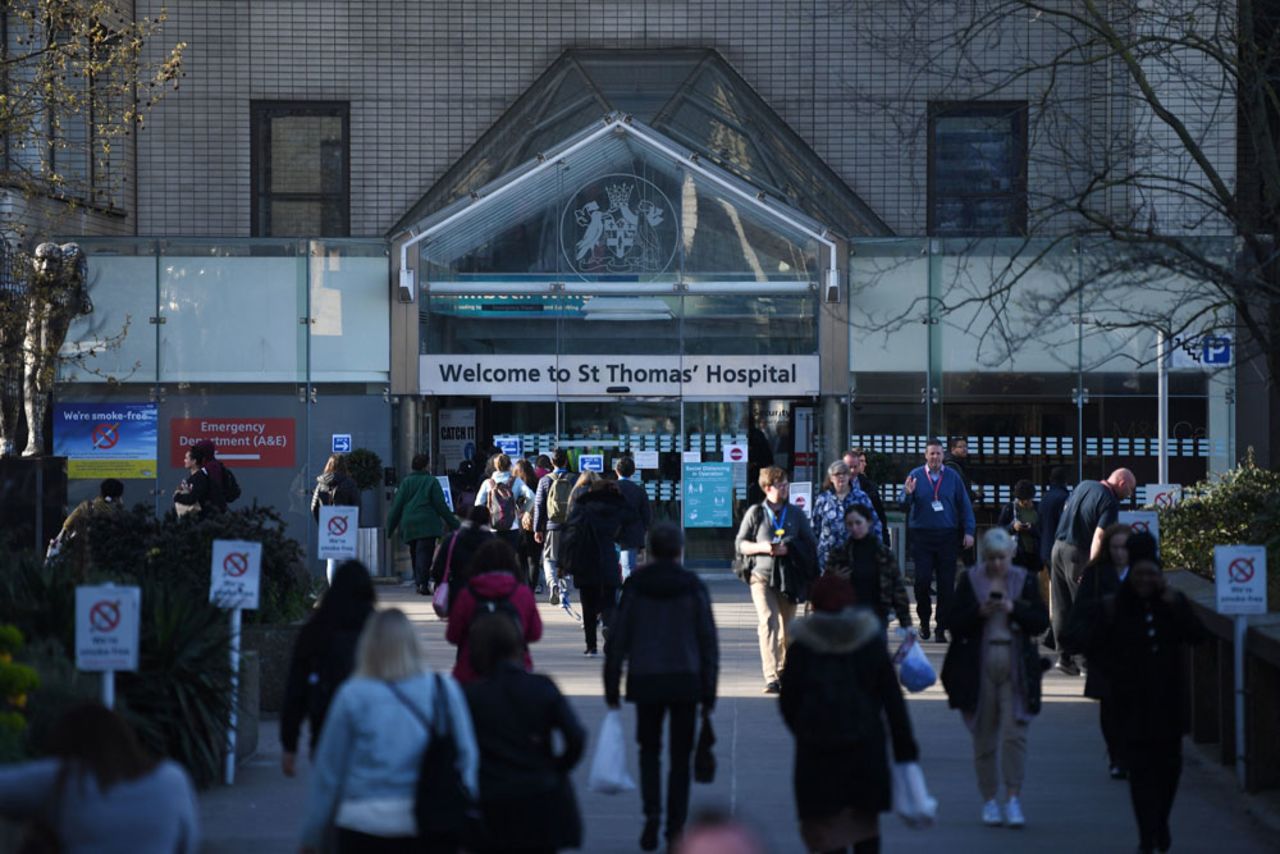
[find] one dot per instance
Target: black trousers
(935, 555)
(1154, 768)
(598, 601)
(421, 552)
(1109, 717)
(649, 735)
(354, 842)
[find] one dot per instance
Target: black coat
(1052, 504)
(469, 540)
(872, 490)
(637, 499)
(203, 490)
(1098, 581)
(962, 668)
(1138, 644)
(334, 490)
(588, 544)
(843, 657)
(665, 634)
(323, 657)
(526, 796)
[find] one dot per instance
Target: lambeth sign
(696, 376)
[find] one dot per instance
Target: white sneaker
(991, 814)
(1013, 816)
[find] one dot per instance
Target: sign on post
(448, 490)
(107, 627)
(591, 462)
(337, 533)
(235, 574)
(1163, 494)
(707, 495)
(512, 446)
(340, 443)
(802, 496)
(1142, 521)
(1241, 579)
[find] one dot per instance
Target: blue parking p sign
(341, 443)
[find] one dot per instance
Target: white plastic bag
(911, 798)
(914, 670)
(609, 774)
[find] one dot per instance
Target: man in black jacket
(856, 460)
(665, 633)
(632, 539)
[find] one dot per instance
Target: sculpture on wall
(53, 294)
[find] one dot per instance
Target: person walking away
(334, 488)
(590, 554)
(664, 635)
(550, 513)
(197, 493)
(1093, 506)
(992, 670)
(542, 466)
(781, 554)
(323, 657)
(872, 570)
(493, 587)
(1052, 502)
(856, 460)
(1021, 518)
(529, 551)
(72, 543)
(100, 791)
(839, 492)
(453, 558)
(940, 521)
(633, 536)
(1101, 578)
(838, 688)
(1139, 640)
(421, 515)
(505, 496)
(370, 751)
(222, 476)
(526, 797)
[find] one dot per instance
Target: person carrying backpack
(492, 591)
(334, 488)
(589, 553)
(505, 497)
(550, 513)
(219, 473)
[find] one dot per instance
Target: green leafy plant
(17, 681)
(1240, 506)
(365, 467)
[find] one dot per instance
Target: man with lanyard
(938, 509)
(1093, 506)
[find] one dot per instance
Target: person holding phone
(992, 670)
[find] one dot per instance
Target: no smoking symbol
(104, 616)
(236, 564)
(1141, 526)
(1240, 570)
(105, 436)
(338, 525)
(1163, 499)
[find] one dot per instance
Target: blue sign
(1217, 350)
(341, 443)
(591, 462)
(707, 495)
(102, 440)
(512, 446)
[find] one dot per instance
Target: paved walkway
(1070, 802)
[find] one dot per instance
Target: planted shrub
(365, 468)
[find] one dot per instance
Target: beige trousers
(995, 729)
(774, 612)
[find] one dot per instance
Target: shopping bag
(609, 774)
(911, 798)
(914, 670)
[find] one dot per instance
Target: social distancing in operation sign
(1240, 579)
(339, 527)
(235, 574)
(107, 627)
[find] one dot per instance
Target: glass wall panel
(351, 327)
(620, 325)
(743, 324)
(117, 340)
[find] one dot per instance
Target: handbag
(440, 600)
(704, 760)
(911, 798)
(609, 774)
(914, 670)
(442, 805)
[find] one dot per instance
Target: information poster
(457, 436)
(707, 492)
(102, 440)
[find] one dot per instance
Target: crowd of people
(404, 759)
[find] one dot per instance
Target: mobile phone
(997, 595)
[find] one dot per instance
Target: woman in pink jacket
(492, 587)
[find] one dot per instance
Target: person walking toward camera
(1139, 638)
(370, 751)
(1093, 507)
(869, 565)
(992, 670)
(422, 516)
(665, 636)
(838, 687)
(780, 555)
(839, 492)
(940, 521)
(1021, 518)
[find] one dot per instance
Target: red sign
(104, 616)
(735, 454)
(241, 442)
(235, 564)
(1240, 571)
(105, 436)
(800, 502)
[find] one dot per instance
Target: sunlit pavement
(1070, 802)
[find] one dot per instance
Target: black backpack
(502, 505)
(230, 489)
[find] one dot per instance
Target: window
(977, 169)
(301, 165)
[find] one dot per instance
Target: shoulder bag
(440, 601)
(442, 805)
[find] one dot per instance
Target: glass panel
(708, 428)
(350, 307)
(495, 324)
(748, 325)
(291, 217)
(621, 325)
(116, 342)
(307, 154)
(976, 177)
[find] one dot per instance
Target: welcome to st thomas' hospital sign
(550, 375)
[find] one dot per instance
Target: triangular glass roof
(692, 97)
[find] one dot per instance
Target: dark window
(301, 182)
(977, 169)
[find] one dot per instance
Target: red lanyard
(937, 486)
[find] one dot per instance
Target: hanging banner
(457, 436)
(102, 440)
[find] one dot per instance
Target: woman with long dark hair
(492, 585)
(530, 550)
(324, 656)
(871, 568)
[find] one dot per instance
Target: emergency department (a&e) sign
(103, 440)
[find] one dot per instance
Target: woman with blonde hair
(379, 724)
